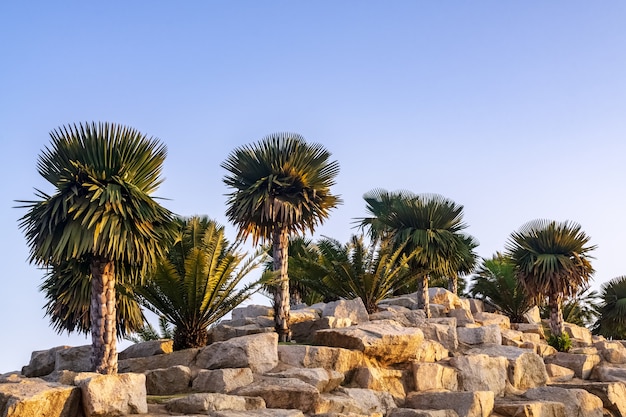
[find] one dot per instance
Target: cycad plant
(196, 283)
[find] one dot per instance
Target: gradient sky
(514, 109)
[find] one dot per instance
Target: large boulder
(466, 404)
(330, 358)
(611, 351)
(392, 381)
(582, 364)
(578, 333)
(526, 368)
(323, 379)
(42, 362)
(274, 412)
(515, 407)
(77, 359)
(577, 402)
(388, 342)
(259, 352)
(251, 311)
(168, 381)
(207, 402)
(480, 335)
(487, 319)
(481, 373)
(22, 397)
(434, 377)
(441, 332)
(355, 401)
(408, 412)
(148, 348)
(223, 332)
(445, 298)
(609, 373)
(558, 373)
(222, 380)
(186, 357)
(112, 395)
(354, 310)
(282, 393)
(612, 394)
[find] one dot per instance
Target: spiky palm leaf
(101, 213)
(281, 186)
(552, 259)
(196, 284)
(611, 322)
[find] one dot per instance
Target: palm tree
(495, 283)
(148, 332)
(100, 215)
(67, 289)
(611, 322)
(552, 259)
(355, 269)
(281, 187)
(194, 286)
(431, 226)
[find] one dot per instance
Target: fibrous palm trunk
(556, 315)
(280, 243)
(423, 300)
(103, 317)
(453, 284)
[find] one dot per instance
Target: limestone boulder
(528, 408)
(475, 305)
(323, 379)
(259, 352)
(612, 394)
(354, 310)
(168, 381)
(481, 373)
(148, 348)
(467, 404)
(534, 328)
(511, 337)
(406, 301)
(487, 319)
(251, 311)
(330, 358)
(359, 401)
(21, 397)
(112, 395)
(388, 342)
(186, 357)
(581, 364)
(77, 359)
(612, 352)
(533, 315)
(462, 316)
(445, 298)
(577, 402)
(394, 314)
(431, 351)
(446, 334)
(526, 369)
(282, 393)
(581, 334)
(223, 332)
(610, 373)
(558, 373)
(203, 403)
(222, 380)
(392, 381)
(274, 412)
(42, 362)
(408, 412)
(480, 335)
(434, 377)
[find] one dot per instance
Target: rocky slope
(464, 362)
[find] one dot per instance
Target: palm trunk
(556, 315)
(280, 243)
(423, 300)
(453, 284)
(103, 317)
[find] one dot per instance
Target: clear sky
(514, 109)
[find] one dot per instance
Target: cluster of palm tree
(108, 246)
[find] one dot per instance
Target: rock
(259, 413)
(22, 397)
(393, 314)
(579, 333)
(612, 394)
(42, 362)
(481, 373)
(439, 332)
(186, 357)
(149, 348)
(392, 381)
(223, 332)
(431, 351)
(480, 335)
(322, 379)
(526, 369)
(62, 377)
(201, 403)
(112, 395)
(305, 314)
(445, 298)
(347, 309)
(355, 400)
(466, 404)
(77, 359)
(388, 342)
(528, 408)
(609, 373)
(258, 352)
(407, 301)
(487, 319)
(434, 377)
(612, 352)
(168, 381)
(251, 311)
(462, 316)
(559, 373)
(577, 402)
(282, 393)
(408, 412)
(222, 380)
(581, 364)
(475, 305)
(534, 328)
(330, 358)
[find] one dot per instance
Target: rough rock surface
(222, 380)
(21, 397)
(112, 395)
(259, 352)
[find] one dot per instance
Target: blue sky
(513, 109)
